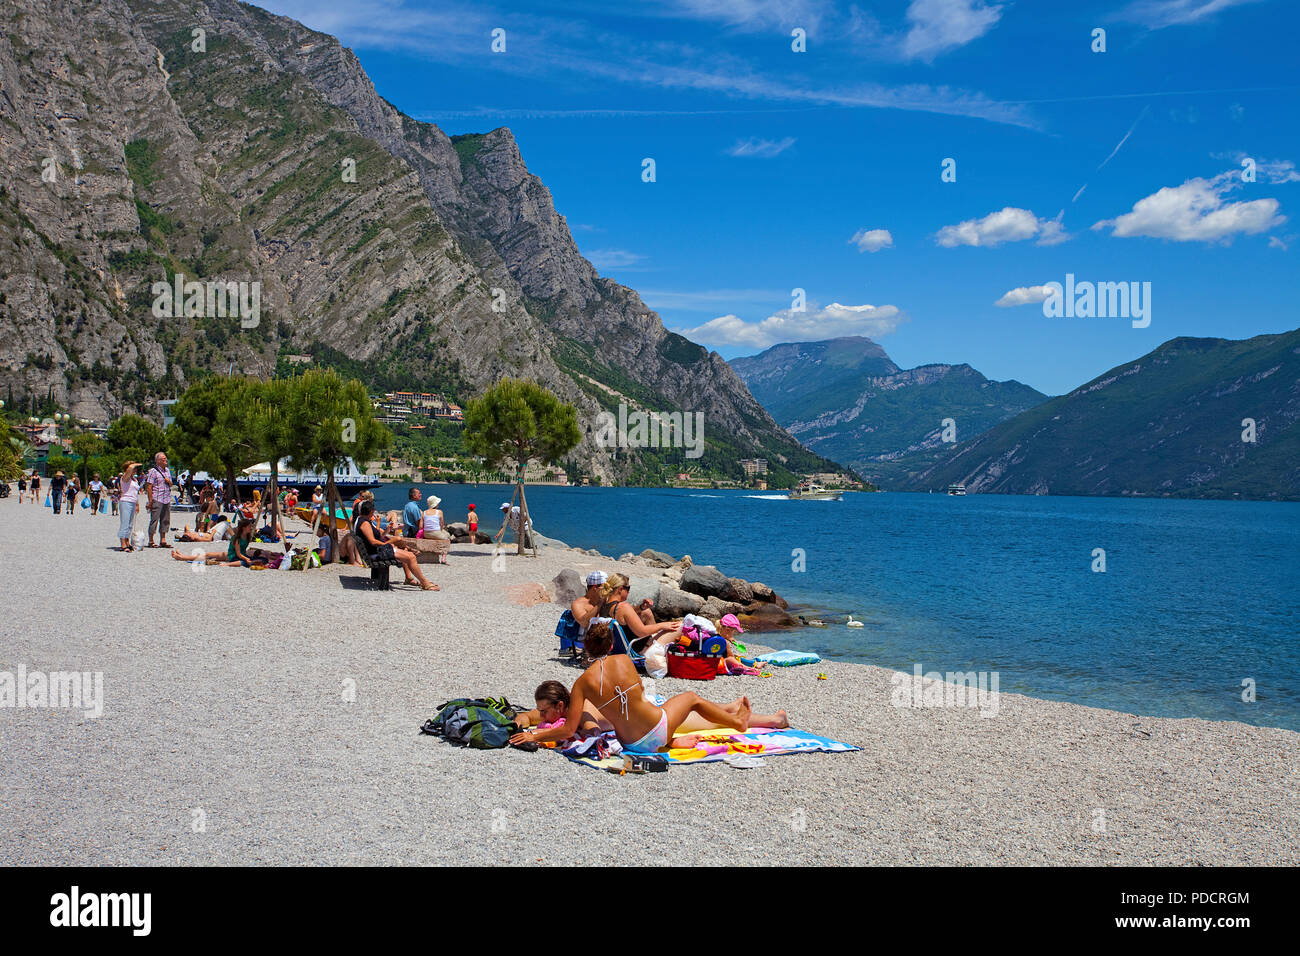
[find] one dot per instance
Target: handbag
(691, 665)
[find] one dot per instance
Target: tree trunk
(232, 487)
(525, 532)
(332, 496)
(274, 489)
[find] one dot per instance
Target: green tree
(132, 431)
(86, 445)
(13, 453)
(336, 422)
(277, 434)
(516, 421)
(213, 430)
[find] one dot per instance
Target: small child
(729, 628)
(473, 524)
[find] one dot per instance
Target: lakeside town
(427, 447)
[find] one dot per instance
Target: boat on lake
(957, 489)
(810, 491)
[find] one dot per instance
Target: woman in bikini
(612, 683)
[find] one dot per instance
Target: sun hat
(471, 506)
(596, 578)
(505, 506)
(433, 501)
(733, 622)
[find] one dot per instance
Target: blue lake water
(1197, 596)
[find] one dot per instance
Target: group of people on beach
(609, 695)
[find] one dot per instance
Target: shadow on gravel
(353, 582)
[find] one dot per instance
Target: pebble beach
(272, 717)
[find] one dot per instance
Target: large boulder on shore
(482, 537)
(568, 586)
(673, 603)
(641, 589)
(737, 590)
(764, 593)
(704, 580)
(715, 609)
(458, 529)
(658, 559)
(766, 616)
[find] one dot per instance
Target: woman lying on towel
(611, 683)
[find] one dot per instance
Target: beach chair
(570, 635)
(379, 567)
(623, 644)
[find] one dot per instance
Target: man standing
(510, 519)
(158, 485)
(57, 484)
(412, 514)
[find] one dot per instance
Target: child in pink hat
(728, 628)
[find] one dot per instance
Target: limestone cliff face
(226, 156)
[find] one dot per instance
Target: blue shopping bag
(103, 506)
(85, 502)
(47, 501)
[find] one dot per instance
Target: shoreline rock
(682, 587)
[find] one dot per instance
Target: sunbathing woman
(221, 530)
(615, 606)
(613, 684)
(376, 542)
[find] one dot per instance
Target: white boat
(809, 491)
(957, 489)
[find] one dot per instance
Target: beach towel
(789, 658)
(604, 752)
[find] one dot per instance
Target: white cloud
(833, 321)
(941, 25)
(872, 240)
(1006, 225)
(613, 258)
(1196, 211)
(765, 148)
(1158, 14)
(1275, 243)
(1024, 295)
(546, 47)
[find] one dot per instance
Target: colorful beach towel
(605, 753)
(790, 658)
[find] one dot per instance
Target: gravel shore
(226, 738)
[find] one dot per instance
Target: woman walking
(128, 497)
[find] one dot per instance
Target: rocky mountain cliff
(846, 399)
(1171, 423)
(142, 139)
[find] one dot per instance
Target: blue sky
(821, 170)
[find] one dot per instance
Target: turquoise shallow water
(1197, 596)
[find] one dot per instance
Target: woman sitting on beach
(642, 727)
(238, 554)
(431, 525)
(552, 699)
(615, 606)
(377, 545)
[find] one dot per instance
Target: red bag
(691, 665)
